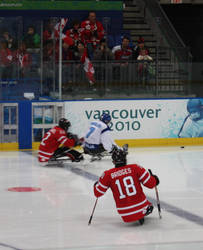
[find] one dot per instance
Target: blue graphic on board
(173, 116)
(192, 125)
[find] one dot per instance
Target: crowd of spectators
(84, 39)
(15, 58)
(88, 38)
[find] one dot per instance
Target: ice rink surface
(56, 217)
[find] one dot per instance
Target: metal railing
(111, 77)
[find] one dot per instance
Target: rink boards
(138, 122)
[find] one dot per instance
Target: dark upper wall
(111, 20)
(32, 12)
(188, 22)
(60, 5)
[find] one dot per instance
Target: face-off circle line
(24, 189)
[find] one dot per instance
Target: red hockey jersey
(75, 35)
(92, 32)
(51, 141)
(125, 183)
(122, 54)
(6, 57)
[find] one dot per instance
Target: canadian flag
(62, 23)
(89, 70)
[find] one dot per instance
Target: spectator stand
(18, 26)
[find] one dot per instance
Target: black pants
(65, 151)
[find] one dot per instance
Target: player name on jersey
(121, 172)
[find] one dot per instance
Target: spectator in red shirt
(123, 51)
(75, 33)
(92, 33)
(6, 61)
(48, 33)
(66, 49)
(24, 60)
(84, 64)
(50, 42)
(67, 56)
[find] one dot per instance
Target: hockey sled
(58, 162)
(99, 156)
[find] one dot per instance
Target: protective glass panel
(38, 114)
(49, 114)
(6, 131)
(37, 61)
(13, 131)
(13, 115)
(6, 115)
(37, 134)
(58, 113)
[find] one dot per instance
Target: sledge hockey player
(125, 183)
(50, 150)
(98, 141)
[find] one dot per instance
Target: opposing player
(50, 147)
(98, 138)
(125, 183)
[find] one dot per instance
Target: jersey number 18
(129, 187)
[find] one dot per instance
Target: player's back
(129, 197)
(93, 135)
(125, 185)
(52, 139)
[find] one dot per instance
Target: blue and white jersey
(191, 128)
(99, 133)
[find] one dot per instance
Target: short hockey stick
(158, 202)
(90, 220)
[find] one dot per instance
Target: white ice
(56, 218)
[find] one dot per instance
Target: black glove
(114, 148)
(156, 177)
(72, 136)
(125, 148)
(78, 142)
